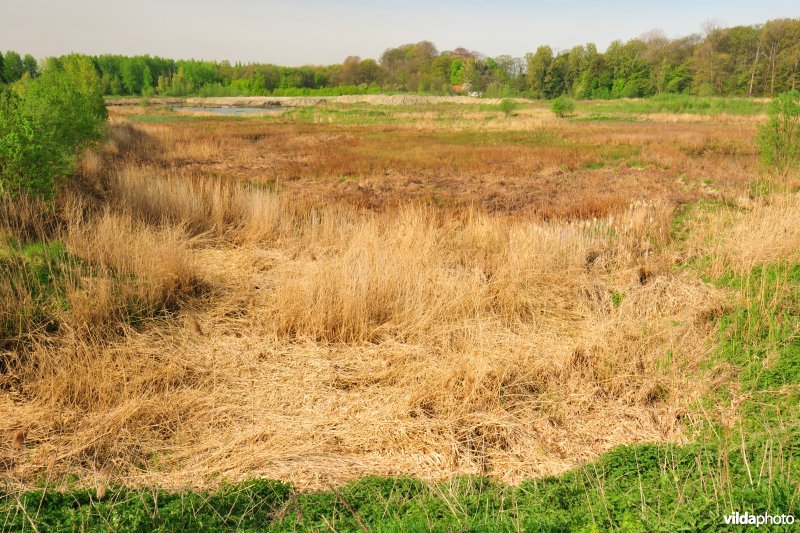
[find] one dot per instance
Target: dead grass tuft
(757, 232)
(132, 266)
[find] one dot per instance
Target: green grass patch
(600, 117)
(689, 214)
(35, 276)
(615, 153)
(535, 139)
(673, 103)
(351, 115)
(762, 334)
(636, 488)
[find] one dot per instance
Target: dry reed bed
(334, 342)
(337, 342)
(762, 231)
(546, 171)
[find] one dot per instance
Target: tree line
(757, 60)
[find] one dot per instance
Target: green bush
(30, 161)
(508, 106)
(562, 106)
(779, 138)
(67, 100)
(45, 121)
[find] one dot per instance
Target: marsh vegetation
(425, 291)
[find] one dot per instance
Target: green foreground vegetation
(44, 124)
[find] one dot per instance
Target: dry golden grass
(98, 266)
(759, 232)
(333, 341)
(155, 264)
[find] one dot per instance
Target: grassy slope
(744, 465)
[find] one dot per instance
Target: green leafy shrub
(67, 100)
(562, 106)
(30, 160)
(779, 138)
(45, 122)
(617, 297)
(508, 106)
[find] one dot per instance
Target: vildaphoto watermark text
(758, 520)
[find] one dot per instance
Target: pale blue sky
(319, 32)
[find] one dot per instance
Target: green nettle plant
(779, 138)
(562, 106)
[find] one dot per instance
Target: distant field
(416, 315)
(668, 103)
(468, 154)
